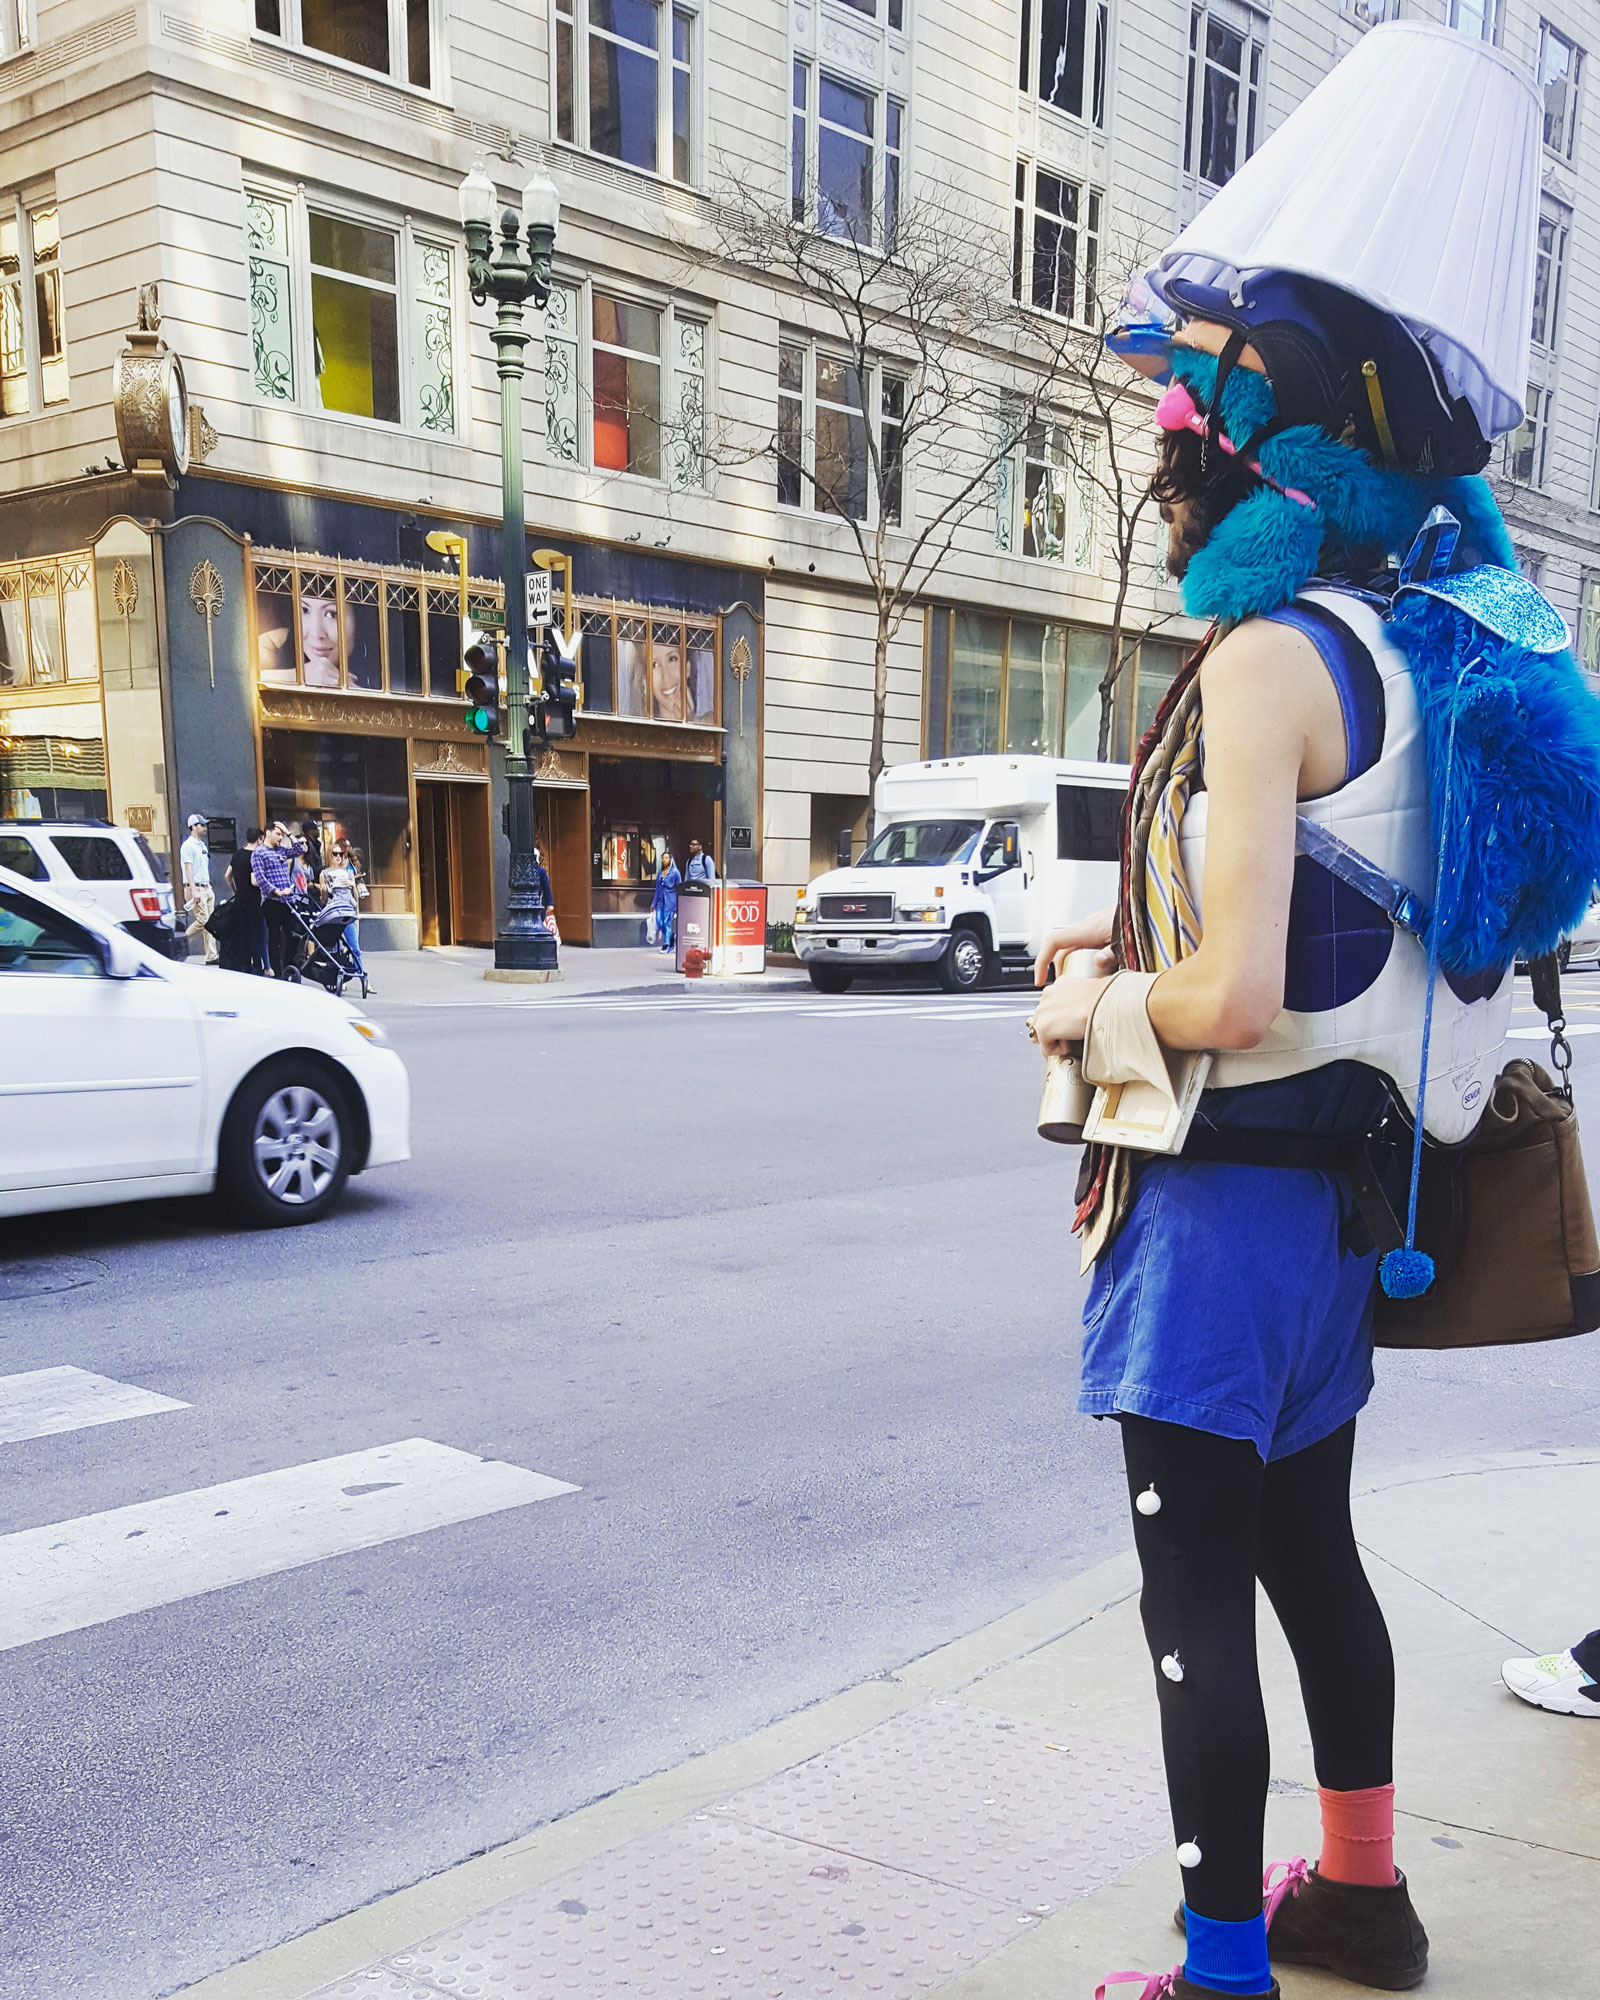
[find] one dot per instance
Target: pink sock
(1358, 1836)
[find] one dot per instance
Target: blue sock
(1227, 1958)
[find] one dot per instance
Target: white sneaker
(1555, 1682)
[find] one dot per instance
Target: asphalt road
(786, 1292)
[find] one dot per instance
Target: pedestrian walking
(273, 869)
(244, 942)
(342, 891)
(199, 900)
(700, 867)
(665, 907)
(1228, 1326)
(545, 894)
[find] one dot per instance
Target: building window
(1045, 497)
(394, 38)
(33, 349)
(625, 82)
(658, 665)
(1065, 64)
(645, 371)
(13, 26)
(377, 336)
(1474, 17)
(48, 628)
(1589, 624)
(1525, 447)
(1012, 684)
(1560, 71)
(322, 622)
(847, 145)
(894, 12)
(1548, 270)
(1222, 117)
(1055, 245)
(827, 416)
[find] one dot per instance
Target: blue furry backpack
(1500, 1243)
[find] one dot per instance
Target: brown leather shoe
(1372, 1937)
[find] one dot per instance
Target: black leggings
(1225, 1519)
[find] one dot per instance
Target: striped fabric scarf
(1156, 920)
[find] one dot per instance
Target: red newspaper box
(743, 934)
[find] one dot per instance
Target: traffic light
(478, 679)
(553, 711)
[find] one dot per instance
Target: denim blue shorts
(1235, 1300)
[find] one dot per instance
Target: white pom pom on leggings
(1149, 1501)
(1189, 1855)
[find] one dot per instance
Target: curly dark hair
(1181, 476)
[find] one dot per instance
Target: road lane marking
(73, 1574)
(1543, 1034)
(47, 1401)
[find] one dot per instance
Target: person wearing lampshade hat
(1341, 334)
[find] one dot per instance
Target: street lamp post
(518, 270)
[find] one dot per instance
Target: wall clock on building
(151, 401)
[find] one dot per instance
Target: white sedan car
(124, 1075)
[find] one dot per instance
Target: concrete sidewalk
(989, 1823)
(452, 976)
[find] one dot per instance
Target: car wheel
(829, 979)
(965, 965)
(284, 1155)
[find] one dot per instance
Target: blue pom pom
(1406, 1274)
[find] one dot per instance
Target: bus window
(1088, 822)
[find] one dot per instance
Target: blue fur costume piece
(1525, 797)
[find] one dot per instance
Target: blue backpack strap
(1401, 904)
(1355, 677)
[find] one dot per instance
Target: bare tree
(932, 364)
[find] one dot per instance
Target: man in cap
(199, 900)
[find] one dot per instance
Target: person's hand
(1062, 1015)
(1091, 933)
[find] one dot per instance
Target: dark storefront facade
(267, 654)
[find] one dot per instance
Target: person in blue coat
(666, 903)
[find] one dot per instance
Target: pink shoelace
(1162, 1985)
(1157, 1985)
(1295, 1874)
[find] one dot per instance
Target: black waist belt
(1316, 1152)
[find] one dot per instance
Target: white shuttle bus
(973, 862)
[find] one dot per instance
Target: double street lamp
(512, 272)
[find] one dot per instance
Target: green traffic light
(480, 721)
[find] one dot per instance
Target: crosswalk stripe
(73, 1574)
(46, 1401)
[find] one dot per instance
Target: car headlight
(369, 1031)
(930, 913)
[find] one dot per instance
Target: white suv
(100, 867)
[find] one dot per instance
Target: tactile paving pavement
(887, 1865)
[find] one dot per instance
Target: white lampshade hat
(1409, 178)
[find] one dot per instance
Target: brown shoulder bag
(1506, 1216)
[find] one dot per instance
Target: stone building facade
(285, 172)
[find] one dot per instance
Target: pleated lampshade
(1410, 177)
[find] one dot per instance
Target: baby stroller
(320, 951)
